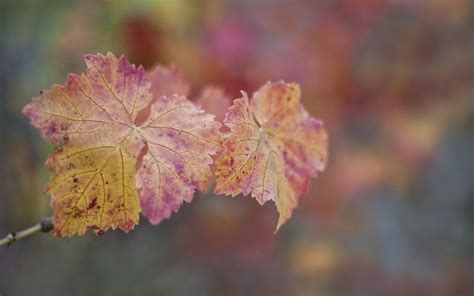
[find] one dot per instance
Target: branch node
(47, 224)
(11, 238)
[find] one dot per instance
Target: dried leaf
(273, 149)
(93, 119)
(215, 101)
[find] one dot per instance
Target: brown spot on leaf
(92, 204)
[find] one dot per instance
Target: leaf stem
(45, 225)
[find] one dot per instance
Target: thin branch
(45, 225)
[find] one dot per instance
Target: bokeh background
(393, 214)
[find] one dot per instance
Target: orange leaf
(273, 149)
(92, 119)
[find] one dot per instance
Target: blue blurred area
(392, 215)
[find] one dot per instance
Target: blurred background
(393, 214)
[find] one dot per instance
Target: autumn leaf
(273, 149)
(214, 100)
(164, 82)
(109, 163)
(168, 81)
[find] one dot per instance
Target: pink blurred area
(392, 81)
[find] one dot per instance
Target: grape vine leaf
(109, 164)
(214, 100)
(273, 149)
(166, 81)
